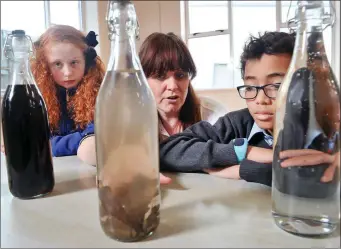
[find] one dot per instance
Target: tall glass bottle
(126, 128)
(307, 117)
(26, 131)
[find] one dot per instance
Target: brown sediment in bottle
(129, 197)
(121, 224)
(325, 88)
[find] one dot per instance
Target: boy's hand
(164, 179)
(256, 154)
(308, 157)
(3, 149)
(260, 155)
(231, 172)
(2, 143)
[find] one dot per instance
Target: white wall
(90, 19)
(157, 16)
(153, 16)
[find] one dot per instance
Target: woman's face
(66, 63)
(170, 91)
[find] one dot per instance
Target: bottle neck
(122, 27)
(124, 53)
(310, 16)
(309, 42)
(122, 23)
(20, 71)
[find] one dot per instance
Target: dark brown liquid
(26, 139)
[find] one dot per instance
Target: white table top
(197, 211)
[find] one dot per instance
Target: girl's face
(170, 91)
(66, 63)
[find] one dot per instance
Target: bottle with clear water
(307, 122)
(126, 128)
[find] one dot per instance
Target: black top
(203, 146)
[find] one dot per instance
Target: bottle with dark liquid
(25, 125)
(307, 119)
(126, 127)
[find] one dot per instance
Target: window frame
(47, 11)
(227, 31)
(279, 25)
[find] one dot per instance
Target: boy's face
(269, 69)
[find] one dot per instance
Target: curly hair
(161, 53)
(270, 43)
(83, 102)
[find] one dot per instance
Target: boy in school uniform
(239, 144)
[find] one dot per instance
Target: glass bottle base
(32, 197)
(130, 239)
(305, 226)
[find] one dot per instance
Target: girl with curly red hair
(68, 73)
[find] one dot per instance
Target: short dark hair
(161, 53)
(270, 43)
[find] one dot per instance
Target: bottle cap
(18, 32)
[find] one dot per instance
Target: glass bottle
(307, 117)
(126, 128)
(26, 131)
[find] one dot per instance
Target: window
(327, 33)
(221, 28)
(220, 74)
(198, 21)
(209, 31)
(205, 61)
(34, 17)
(261, 16)
(26, 15)
(66, 12)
